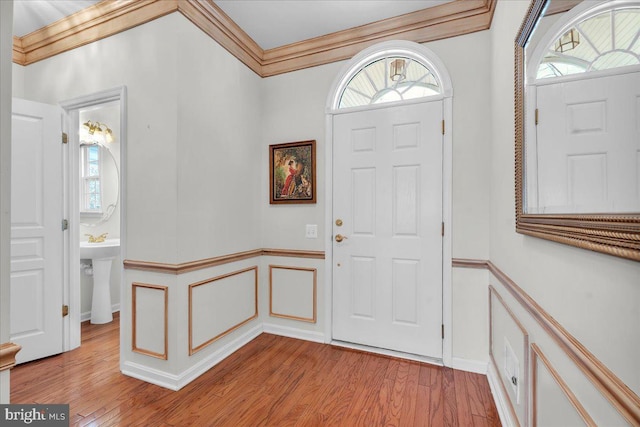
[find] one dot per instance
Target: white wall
(595, 297)
(193, 150)
(17, 81)
(294, 110)
(6, 49)
(145, 60)
(219, 149)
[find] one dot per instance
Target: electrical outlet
(512, 368)
(311, 231)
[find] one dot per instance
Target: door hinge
(65, 224)
(443, 127)
(65, 310)
(65, 138)
(442, 331)
(536, 117)
(443, 229)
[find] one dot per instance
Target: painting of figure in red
(292, 171)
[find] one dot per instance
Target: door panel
(36, 234)
(387, 272)
(588, 143)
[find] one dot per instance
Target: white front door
(588, 145)
(387, 196)
(36, 230)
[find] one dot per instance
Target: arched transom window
(389, 79)
(608, 40)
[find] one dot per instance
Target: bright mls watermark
(34, 415)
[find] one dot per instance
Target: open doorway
(96, 128)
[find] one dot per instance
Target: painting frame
(292, 172)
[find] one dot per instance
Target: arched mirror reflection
(99, 154)
(582, 135)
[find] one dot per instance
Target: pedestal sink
(101, 255)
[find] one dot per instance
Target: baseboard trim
(621, 397)
(502, 403)
(87, 314)
(176, 382)
(468, 365)
(287, 331)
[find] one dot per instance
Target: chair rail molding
(8, 353)
(610, 386)
(185, 267)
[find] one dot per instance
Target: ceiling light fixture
(101, 128)
(568, 41)
(396, 70)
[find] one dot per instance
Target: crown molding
(439, 22)
(110, 17)
(88, 25)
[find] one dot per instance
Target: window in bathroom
(90, 184)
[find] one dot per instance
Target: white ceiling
(30, 15)
(270, 23)
(274, 23)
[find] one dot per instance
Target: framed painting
(292, 172)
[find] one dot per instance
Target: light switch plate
(311, 231)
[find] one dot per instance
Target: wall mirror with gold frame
(577, 110)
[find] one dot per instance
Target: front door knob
(340, 238)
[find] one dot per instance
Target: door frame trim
(431, 60)
(71, 326)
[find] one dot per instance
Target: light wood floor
(272, 381)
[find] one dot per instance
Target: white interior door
(588, 145)
(36, 230)
(387, 196)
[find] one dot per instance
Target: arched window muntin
(373, 84)
(436, 79)
(546, 64)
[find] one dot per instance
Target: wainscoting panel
(608, 399)
(149, 318)
(293, 293)
(509, 353)
(553, 401)
(220, 305)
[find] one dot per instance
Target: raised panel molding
(277, 301)
(524, 385)
(197, 318)
(537, 355)
(135, 317)
(621, 397)
(109, 17)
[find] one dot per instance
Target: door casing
(71, 327)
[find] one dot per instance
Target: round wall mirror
(99, 183)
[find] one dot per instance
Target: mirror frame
(616, 234)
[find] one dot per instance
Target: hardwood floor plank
(394, 409)
(423, 406)
(436, 403)
(462, 399)
(409, 402)
(272, 381)
(366, 391)
(474, 391)
(450, 405)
